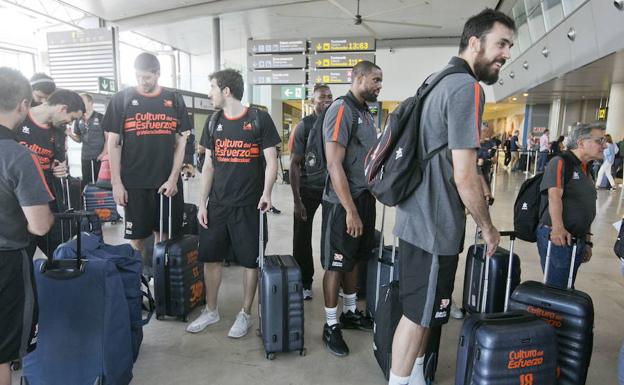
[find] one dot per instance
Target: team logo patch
(576, 175)
(168, 103)
(444, 303)
(247, 126)
(220, 127)
(96, 121)
(26, 130)
(129, 225)
(134, 102)
(337, 260)
(399, 153)
(440, 314)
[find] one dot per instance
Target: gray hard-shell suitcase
(280, 302)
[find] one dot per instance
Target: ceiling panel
(185, 24)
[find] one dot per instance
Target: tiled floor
(169, 355)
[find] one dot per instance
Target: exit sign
(293, 92)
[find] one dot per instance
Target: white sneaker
(456, 312)
(241, 325)
(207, 317)
(307, 294)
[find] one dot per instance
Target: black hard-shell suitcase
(508, 348)
(571, 314)
(380, 269)
(474, 279)
(178, 275)
(280, 302)
(389, 310)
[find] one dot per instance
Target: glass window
(553, 13)
(22, 61)
(570, 5)
(535, 18)
(524, 36)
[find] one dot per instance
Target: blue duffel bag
(90, 318)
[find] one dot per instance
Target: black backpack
(394, 167)
(530, 206)
(253, 114)
(315, 163)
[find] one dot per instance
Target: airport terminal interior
(566, 67)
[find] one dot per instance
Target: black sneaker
(332, 338)
(357, 320)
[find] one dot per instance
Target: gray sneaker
(241, 325)
(207, 317)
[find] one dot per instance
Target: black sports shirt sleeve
(113, 118)
(183, 116)
(206, 139)
(270, 137)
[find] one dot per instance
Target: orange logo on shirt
(247, 126)
(168, 103)
(236, 151)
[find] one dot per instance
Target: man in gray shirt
(90, 133)
(431, 223)
(348, 228)
(24, 195)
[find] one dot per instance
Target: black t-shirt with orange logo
(237, 146)
(46, 142)
(150, 124)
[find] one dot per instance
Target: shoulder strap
(254, 115)
(434, 79)
(127, 98)
(214, 120)
(569, 166)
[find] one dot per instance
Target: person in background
(571, 205)
(514, 150)
(307, 191)
(544, 148)
(42, 87)
(24, 210)
(607, 162)
(90, 133)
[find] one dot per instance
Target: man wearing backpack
(570, 207)
(147, 130)
(307, 189)
(237, 179)
(431, 222)
(348, 229)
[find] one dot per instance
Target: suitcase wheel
(270, 356)
(16, 365)
(303, 352)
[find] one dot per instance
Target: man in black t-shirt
(24, 195)
(237, 179)
(147, 131)
(90, 133)
(42, 135)
(307, 193)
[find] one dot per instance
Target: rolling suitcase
(388, 312)
(507, 348)
(178, 276)
(381, 269)
(84, 332)
(280, 302)
(571, 314)
(474, 279)
(101, 201)
(190, 224)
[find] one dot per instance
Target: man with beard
(307, 189)
(147, 128)
(431, 222)
(348, 229)
(41, 133)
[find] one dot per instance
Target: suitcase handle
(261, 242)
(575, 242)
(380, 255)
(92, 172)
(486, 281)
(67, 268)
(162, 220)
